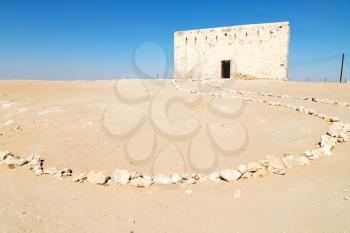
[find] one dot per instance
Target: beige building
(257, 51)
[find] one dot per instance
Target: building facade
(257, 51)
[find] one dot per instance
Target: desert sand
(152, 127)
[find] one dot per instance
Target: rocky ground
(242, 156)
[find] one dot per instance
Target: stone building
(257, 51)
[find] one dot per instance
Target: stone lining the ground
(338, 132)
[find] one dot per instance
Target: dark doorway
(225, 69)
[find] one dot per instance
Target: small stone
(346, 197)
(203, 179)
(246, 175)
(332, 132)
(214, 176)
(122, 176)
(316, 153)
(253, 167)
(186, 176)
(327, 140)
(265, 162)
(343, 136)
(230, 175)
(276, 165)
(30, 158)
(97, 177)
(176, 179)
(35, 163)
(190, 181)
(260, 172)
(38, 167)
(5, 154)
(135, 174)
(50, 171)
(288, 161)
(79, 177)
(347, 127)
(326, 150)
(162, 180)
(142, 182)
(66, 172)
(242, 168)
(58, 175)
(38, 172)
(15, 161)
(333, 119)
(301, 161)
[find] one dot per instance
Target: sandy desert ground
(152, 127)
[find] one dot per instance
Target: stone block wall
(257, 51)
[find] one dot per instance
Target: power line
(319, 59)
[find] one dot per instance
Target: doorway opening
(225, 69)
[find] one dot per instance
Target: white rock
(79, 177)
(275, 165)
(335, 128)
(50, 171)
(58, 175)
(97, 177)
(288, 161)
(190, 181)
(246, 175)
(162, 180)
(343, 136)
(122, 176)
(253, 167)
(35, 161)
(347, 127)
(199, 176)
(316, 153)
(4, 155)
(37, 167)
(326, 150)
(176, 179)
(333, 119)
(230, 175)
(186, 176)
(214, 176)
(203, 179)
(38, 172)
(328, 140)
(31, 157)
(242, 168)
(15, 161)
(301, 161)
(142, 182)
(135, 174)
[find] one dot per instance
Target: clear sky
(71, 39)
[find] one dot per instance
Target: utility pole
(341, 69)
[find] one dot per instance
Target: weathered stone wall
(258, 51)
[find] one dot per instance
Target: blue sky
(98, 39)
